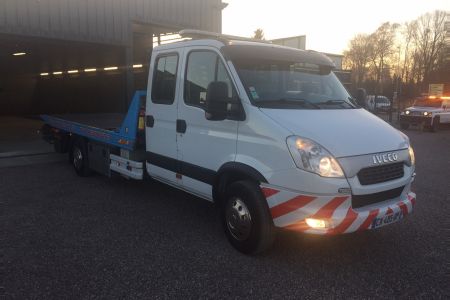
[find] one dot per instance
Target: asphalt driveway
(71, 237)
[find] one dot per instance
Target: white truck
(429, 112)
(266, 132)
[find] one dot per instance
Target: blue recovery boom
(125, 137)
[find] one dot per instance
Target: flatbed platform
(107, 121)
(112, 129)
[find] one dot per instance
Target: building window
(165, 79)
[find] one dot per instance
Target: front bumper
(408, 119)
(289, 210)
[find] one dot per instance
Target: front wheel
(246, 218)
(435, 125)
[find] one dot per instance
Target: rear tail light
(141, 123)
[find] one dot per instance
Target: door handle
(181, 126)
(149, 121)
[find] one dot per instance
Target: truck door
(204, 145)
(161, 115)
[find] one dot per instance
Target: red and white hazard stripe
(289, 210)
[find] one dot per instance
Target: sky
(328, 25)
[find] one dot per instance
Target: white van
(271, 136)
(381, 104)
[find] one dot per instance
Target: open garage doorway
(50, 76)
(53, 76)
(46, 76)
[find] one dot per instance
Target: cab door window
(204, 67)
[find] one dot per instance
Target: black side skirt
(190, 170)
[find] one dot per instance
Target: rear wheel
(79, 158)
(246, 218)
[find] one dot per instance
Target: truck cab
(429, 112)
(271, 135)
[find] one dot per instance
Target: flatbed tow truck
(268, 133)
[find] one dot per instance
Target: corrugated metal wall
(104, 21)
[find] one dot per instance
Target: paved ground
(71, 237)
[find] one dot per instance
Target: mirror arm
(237, 114)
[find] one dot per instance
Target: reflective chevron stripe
(290, 205)
(289, 210)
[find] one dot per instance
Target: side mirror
(217, 101)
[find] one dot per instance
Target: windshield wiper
(336, 102)
(288, 101)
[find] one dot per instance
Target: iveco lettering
(384, 158)
(268, 133)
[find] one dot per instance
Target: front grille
(380, 174)
(363, 200)
(415, 113)
(415, 119)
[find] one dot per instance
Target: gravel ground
(69, 237)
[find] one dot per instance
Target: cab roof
(260, 51)
(237, 48)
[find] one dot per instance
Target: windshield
(294, 85)
(426, 102)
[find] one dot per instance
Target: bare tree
(382, 41)
(429, 39)
(259, 34)
(357, 56)
(408, 32)
(418, 53)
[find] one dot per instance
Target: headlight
(426, 114)
(407, 112)
(312, 157)
(412, 157)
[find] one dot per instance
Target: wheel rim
(77, 158)
(238, 218)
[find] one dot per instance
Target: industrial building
(67, 56)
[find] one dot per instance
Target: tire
(246, 218)
(404, 126)
(435, 126)
(79, 158)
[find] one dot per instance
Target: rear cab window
(164, 79)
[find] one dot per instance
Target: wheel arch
(231, 172)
